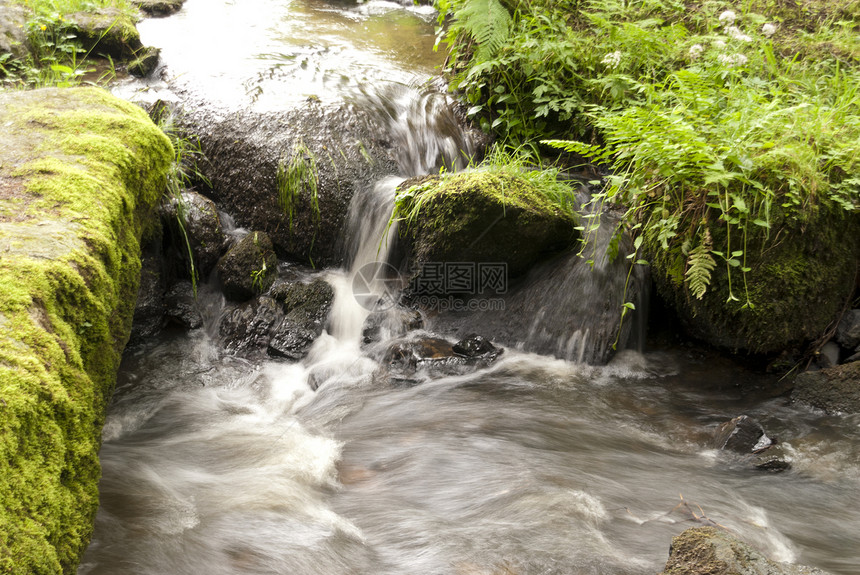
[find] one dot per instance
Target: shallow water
(213, 464)
(269, 54)
(535, 465)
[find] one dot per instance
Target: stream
(215, 464)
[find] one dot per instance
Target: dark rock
(855, 357)
(247, 328)
(848, 331)
(713, 551)
(202, 226)
(249, 267)
(307, 306)
(149, 309)
(108, 32)
(474, 345)
(145, 62)
(835, 389)
(158, 7)
(742, 435)
(245, 150)
(291, 340)
(181, 306)
(773, 460)
(13, 32)
(433, 355)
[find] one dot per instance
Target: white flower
(731, 60)
(768, 29)
(696, 51)
(612, 59)
(735, 34)
(727, 18)
(718, 44)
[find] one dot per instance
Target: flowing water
(213, 464)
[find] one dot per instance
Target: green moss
(91, 168)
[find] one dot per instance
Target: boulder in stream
(800, 276)
(306, 307)
(252, 154)
(713, 551)
(480, 217)
(746, 437)
(435, 356)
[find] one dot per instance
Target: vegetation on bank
(721, 126)
(57, 54)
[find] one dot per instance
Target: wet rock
(835, 389)
(306, 306)
(145, 62)
(181, 306)
(13, 33)
(202, 226)
(158, 7)
(291, 340)
(433, 355)
(848, 331)
(713, 551)
(742, 435)
(745, 436)
(482, 217)
(108, 32)
(474, 345)
(245, 150)
(248, 268)
(149, 309)
(247, 328)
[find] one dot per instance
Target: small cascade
(423, 126)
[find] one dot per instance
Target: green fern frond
(700, 264)
(488, 22)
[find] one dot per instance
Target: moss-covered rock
(489, 216)
(107, 31)
(800, 277)
(80, 174)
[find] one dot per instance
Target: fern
(488, 22)
(700, 264)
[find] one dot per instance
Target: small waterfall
(423, 126)
(371, 282)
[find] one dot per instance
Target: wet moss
(91, 169)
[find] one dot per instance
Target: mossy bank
(80, 173)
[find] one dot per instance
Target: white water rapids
(534, 466)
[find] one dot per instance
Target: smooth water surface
(270, 54)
